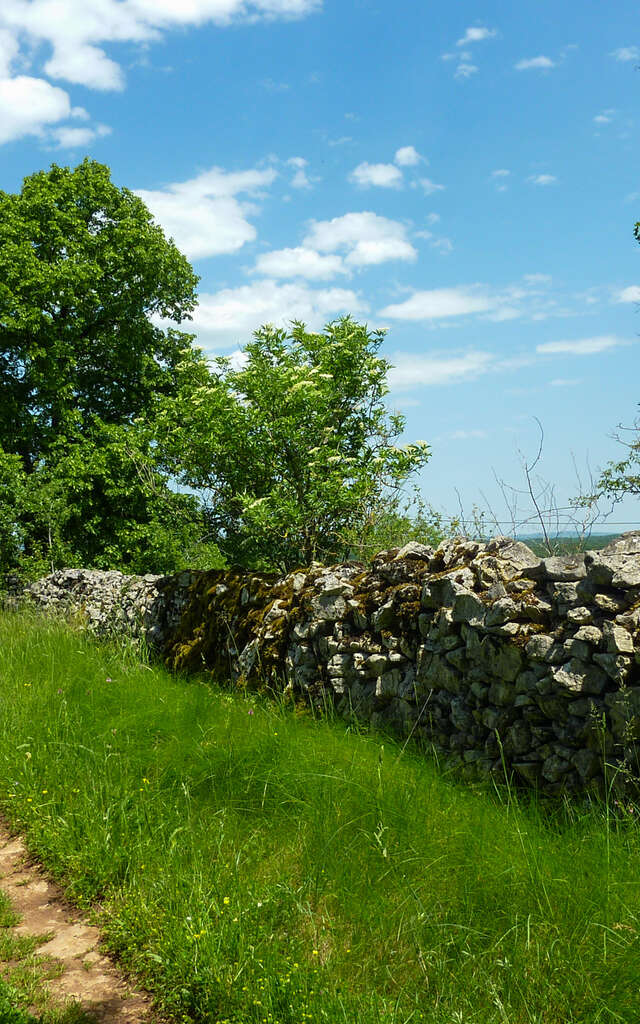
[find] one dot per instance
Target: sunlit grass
(254, 866)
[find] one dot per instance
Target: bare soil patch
(84, 974)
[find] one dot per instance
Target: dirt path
(87, 975)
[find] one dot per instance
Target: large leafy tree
(85, 277)
(83, 271)
(296, 448)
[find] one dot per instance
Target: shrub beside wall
(504, 660)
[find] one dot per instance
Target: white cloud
(626, 53)
(500, 173)
(300, 179)
(29, 105)
(542, 63)
(228, 317)
(534, 279)
(565, 382)
(77, 30)
(430, 186)
(407, 156)
(433, 218)
(443, 245)
(69, 137)
(581, 346)
(203, 215)
(542, 179)
(85, 65)
(299, 262)
(367, 238)
(476, 35)
(630, 294)
(8, 52)
(431, 369)
(464, 70)
(526, 299)
(382, 175)
(605, 117)
(439, 303)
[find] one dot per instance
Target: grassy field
(256, 867)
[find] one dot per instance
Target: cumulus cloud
(366, 238)
(77, 31)
(465, 70)
(581, 346)
(203, 215)
(526, 298)
(541, 63)
(605, 117)
(299, 262)
(542, 179)
(407, 156)
(8, 51)
(429, 186)
(630, 294)
(300, 178)
(476, 35)
(439, 303)
(431, 369)
(69, 137)
(30, 105)
(626, 53)
(228, 317)
(382, 175)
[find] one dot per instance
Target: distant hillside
(569, 544)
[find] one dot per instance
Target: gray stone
(388, 684)
(591, 634)
(577, 648)
(434, 672)
(502, 661)
(565, 568)
(539, 646)
(375, 665)
(587, 763)
(580, 615)
(554, 768)
(501, 611)
(501, 693)
(468, 608)
(413, 551)
(384, 617)
(618, 640)
(610, 604)
(579, 677)
(616, 666)
(614, 568)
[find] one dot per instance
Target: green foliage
(296, 448)
(395, 525)
(83, 268)
(84, 272)
(619, 479)
(250, 864)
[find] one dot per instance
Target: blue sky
(464, 175)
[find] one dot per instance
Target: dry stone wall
(506, 661)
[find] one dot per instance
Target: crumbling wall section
(506, 661)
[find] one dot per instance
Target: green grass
(256, 866)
